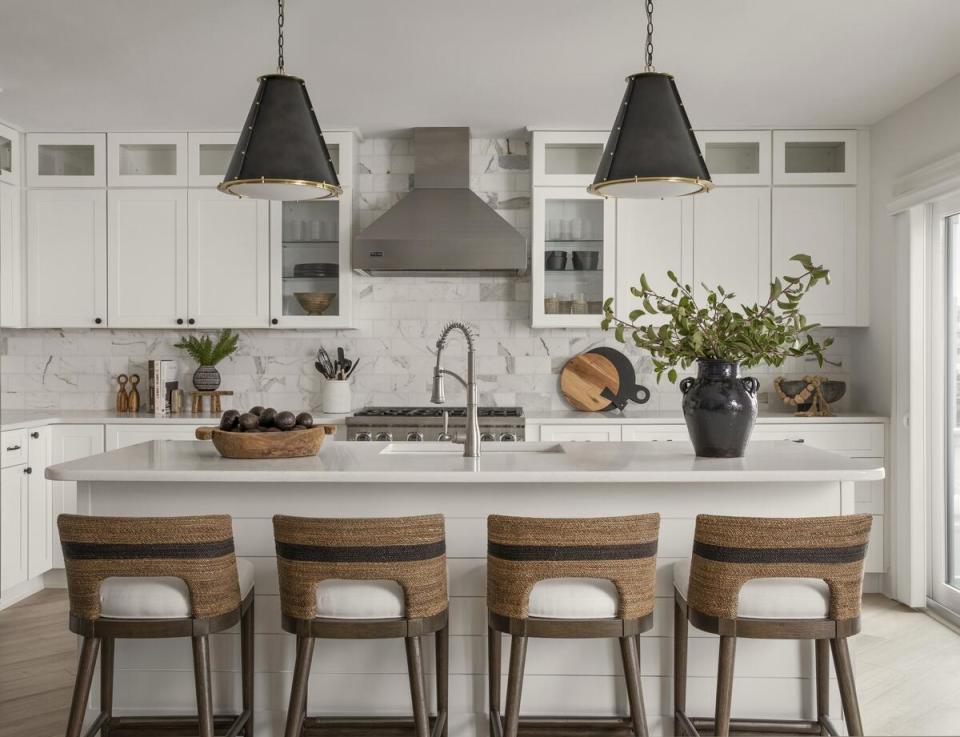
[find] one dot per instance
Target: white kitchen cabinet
(66, 258)
(66, 160)
(656, 433)
(147, 258)
(653, 237)
(14, 501)
(736, 158)
(228, 274)
(124, 435)
(566, 158)
(209, 156)
(11, 258)
(731, 242)
(69, 443)
(573, 256)
(600, 432)
(815, 157)
(40, 520)
(10, 156)
(147, 159)
(821, 222)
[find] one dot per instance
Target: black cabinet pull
(274, 321)
(98, 321)
(191, 321)
(28, 470)
(179, 321)
(12, 448)
(34, 435)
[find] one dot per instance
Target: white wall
(922, 132)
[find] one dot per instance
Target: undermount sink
(485, 448)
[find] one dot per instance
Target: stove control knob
(508, 437)
(383, 436)
(488, 436)
(444, 437)
(362, 436)
(415, 436)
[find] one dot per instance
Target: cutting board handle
(204, 433)
(329, 429)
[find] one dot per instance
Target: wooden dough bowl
(292, 444)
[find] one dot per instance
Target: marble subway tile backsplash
(397, 322)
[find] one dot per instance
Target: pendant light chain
(649, 50)
(280, 36)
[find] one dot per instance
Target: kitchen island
(774, 678)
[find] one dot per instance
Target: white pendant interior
(649, 190)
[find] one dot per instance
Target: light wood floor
(907, 666)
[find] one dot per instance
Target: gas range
(426, 423)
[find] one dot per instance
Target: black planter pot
(719, 408)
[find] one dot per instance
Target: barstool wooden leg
(680, 634)
(848, 690)
(417, 695)
(201, 674)
(629, 650)
(297, 711)
(494, 646)
(81, 688)
(246, 667)
(822, 652)
(442, 645)
(728, 648)
(106, 683)
(518, 656)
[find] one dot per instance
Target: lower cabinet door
(122, 436)
(14, 490)
(40, 521)
(68, 443)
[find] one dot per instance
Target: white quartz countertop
(635, 416)
(18, 419)
(633, 462)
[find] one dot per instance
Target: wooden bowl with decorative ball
(292, 444)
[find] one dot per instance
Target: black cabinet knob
(191, 321)
(274, 321)
(34, 435)
(179, 321)
(98, 321)
(28, 470)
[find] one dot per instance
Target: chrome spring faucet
(471, 440)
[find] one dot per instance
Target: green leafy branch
(711, 329)
(207, 353)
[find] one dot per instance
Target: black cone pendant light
(281, 154)
(651, 152)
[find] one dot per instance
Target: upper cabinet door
(815, 157)
(229, 262)
(147, 258)
(66, 258)
(209, 157)
(821, 222)
(147, 159)
(66, 160)
(565, 158)
(9, 155)
(736, 158)
(653, 237)
(731, 242)
(11, 258)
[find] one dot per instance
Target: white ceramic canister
(336, 396)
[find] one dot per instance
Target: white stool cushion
(771, 598)
(574, 598)
(159, 597)
(354, 599)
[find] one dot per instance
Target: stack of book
(163, 381)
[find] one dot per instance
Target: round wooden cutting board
(584, 379)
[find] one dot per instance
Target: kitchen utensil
(340, 362)
(590, 382)
(295, 444)
(324, 364)
(629, 389)
(555, 260)
(353, 367)
(133, 399)
(122, 400)
(586, 260)
(314, 303)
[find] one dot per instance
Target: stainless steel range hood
(441, 227)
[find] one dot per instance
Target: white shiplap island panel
(774, 679)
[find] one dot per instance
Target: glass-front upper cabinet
(209, 157)
(566, 158)
(815, 157)
(147, 159)
(9, 155)
(310, 251)
(736, 157)
(573, 256)
(66, 160)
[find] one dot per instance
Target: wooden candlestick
(133, 401)
(122, 400)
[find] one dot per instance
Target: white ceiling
(496, 65)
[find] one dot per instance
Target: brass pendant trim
(704, 184)
(331, 190)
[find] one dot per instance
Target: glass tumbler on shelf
(579, 305)
(551, 305)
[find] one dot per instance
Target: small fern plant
(207, 353)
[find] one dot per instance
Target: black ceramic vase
(719, 408)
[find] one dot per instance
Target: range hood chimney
(440, 227)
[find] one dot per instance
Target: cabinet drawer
(573, 433)
(13, 448)
(655, 433)
(855, 440)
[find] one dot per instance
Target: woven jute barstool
(794, 579)
(150, 577)
(359, 579)
(568, 578)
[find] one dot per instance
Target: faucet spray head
(437, 397)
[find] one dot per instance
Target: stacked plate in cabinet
(316, 270)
